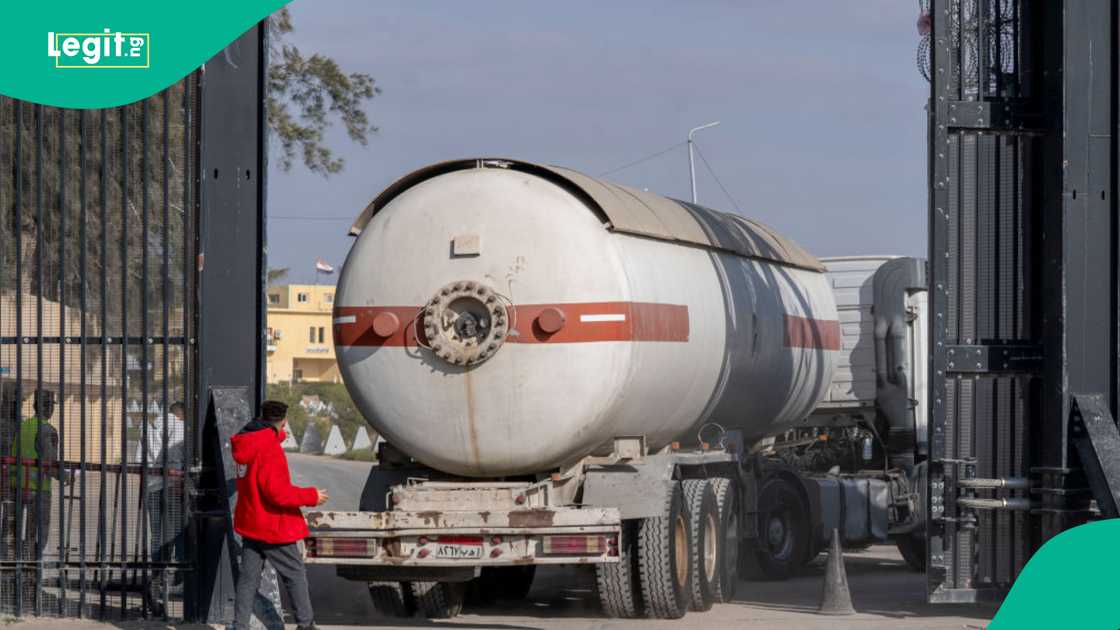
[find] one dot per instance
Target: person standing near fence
(167, 545)
(268, 515)
(30, 485)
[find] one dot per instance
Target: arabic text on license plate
(459, 552)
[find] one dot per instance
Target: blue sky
(822, 108)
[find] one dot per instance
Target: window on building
(301, 297)
(311, 336)
(328, 298)
(273, 298)
(297, 375)
(320, 334)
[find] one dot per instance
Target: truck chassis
(667, 532)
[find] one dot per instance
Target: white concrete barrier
(289, 443)
(361, 440)
(335, 444)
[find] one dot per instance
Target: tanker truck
(566, 371)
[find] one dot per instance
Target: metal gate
(98, 241)
(1023, 276)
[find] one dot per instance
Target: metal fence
(1022, 276)
(98, 243)
(984, 239)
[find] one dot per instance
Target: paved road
(335, 600)
(885, 592)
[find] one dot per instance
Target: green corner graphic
(105, 54)
(1069, 583)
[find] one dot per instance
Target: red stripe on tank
(582, 323)
(360, 332)
(815, 334)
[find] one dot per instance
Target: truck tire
(727, 502)
(784, 543)
(619, 590)
(439, 600)
(705, 543)
(913, 550)
(392, 599)
(664, 559)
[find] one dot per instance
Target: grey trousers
(288, 563)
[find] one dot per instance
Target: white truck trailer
(568, 371)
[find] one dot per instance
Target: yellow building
(68, 401)
(300, 344)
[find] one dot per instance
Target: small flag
(321, 266)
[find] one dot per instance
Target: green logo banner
(1069, 583)
(81, 54)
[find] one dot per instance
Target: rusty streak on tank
(472, 426)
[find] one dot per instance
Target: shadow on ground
(881, 583)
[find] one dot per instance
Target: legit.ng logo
(106, 50)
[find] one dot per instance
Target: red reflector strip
(342, 547)
(573, 545)
(461, 540)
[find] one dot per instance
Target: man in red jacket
(268, 515)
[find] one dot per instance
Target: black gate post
(1024, 242)
(231, 268)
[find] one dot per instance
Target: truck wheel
(727, 501)
(705, 543)
(913, 550)
(439, 600)
(783, 529)
(392, 599)
(664, 559)
(619, 591)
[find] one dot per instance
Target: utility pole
(692, 160)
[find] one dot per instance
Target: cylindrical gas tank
(499, 318)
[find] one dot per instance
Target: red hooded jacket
(267, 502)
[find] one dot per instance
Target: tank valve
(464, 323)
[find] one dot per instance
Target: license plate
(459, 552)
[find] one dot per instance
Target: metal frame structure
(132, 277)
(232, 279)
(1024, 283)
